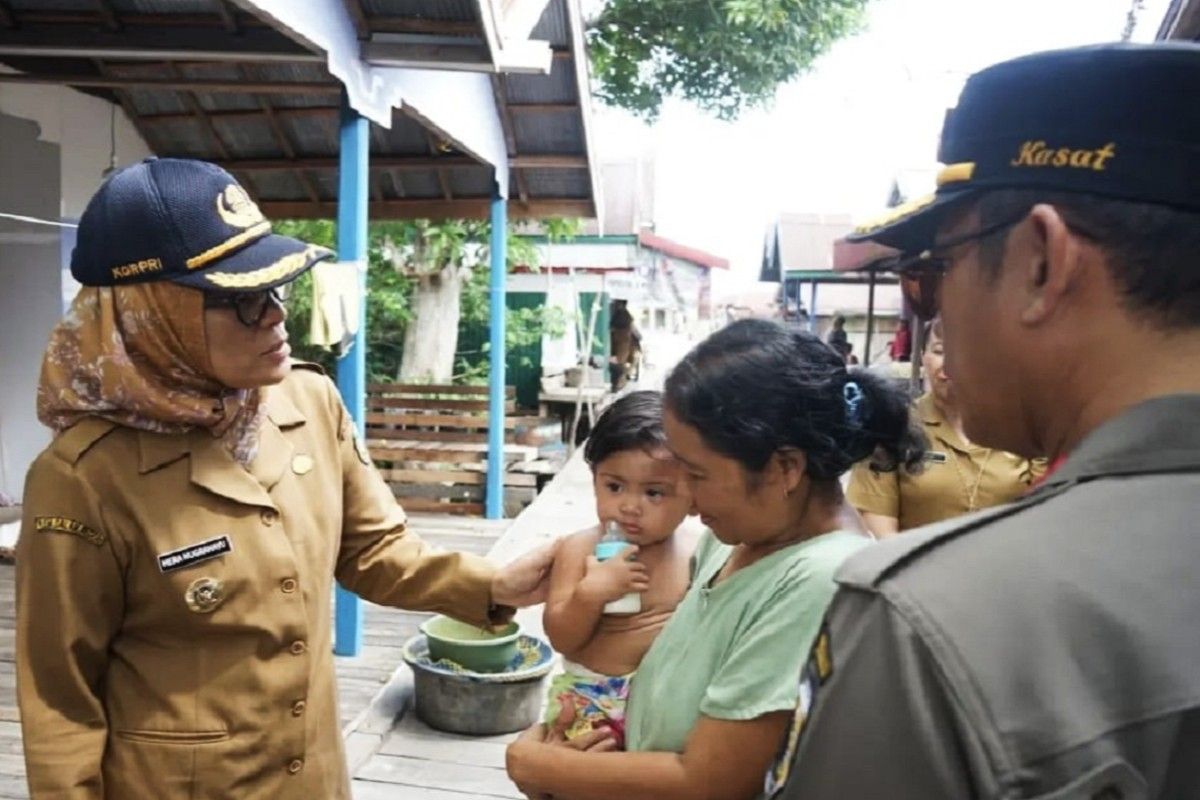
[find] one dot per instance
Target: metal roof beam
(401, 162)
(171, 85)
(245, 113)
(466, 55)
(163, 43)
(460, 208)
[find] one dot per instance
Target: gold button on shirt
(958, 478)
(191, 604)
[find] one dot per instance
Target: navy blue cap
(1115, 120)
(184, 221)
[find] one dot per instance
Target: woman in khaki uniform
(183, 530)
(958, 477)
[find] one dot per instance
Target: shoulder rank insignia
(815, 672)
(71, 526)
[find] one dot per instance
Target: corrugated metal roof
(160, 6)
(548, 133)
(557, 183)
(554, 26)
(446, 10)
(228, 124)
(557, 87)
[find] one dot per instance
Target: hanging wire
(36, 220)
(112, 141)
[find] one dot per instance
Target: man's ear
(1050, 264)
(789, 467)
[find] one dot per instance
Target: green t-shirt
(734, 651)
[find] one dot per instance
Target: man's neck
(1109, 384)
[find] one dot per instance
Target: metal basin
(480, 703)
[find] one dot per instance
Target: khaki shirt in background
(950, 479)
(141, 678)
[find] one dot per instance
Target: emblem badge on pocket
(204, 595)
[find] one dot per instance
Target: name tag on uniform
(935, 457)
(194, 554)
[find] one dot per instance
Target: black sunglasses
(251, 307)
(921, 275)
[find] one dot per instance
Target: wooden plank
(362, 789)
(457, 437)
(471, 421)
(436, 456)
(414, 739)
(376, 401)
(453, 476)
(433, 388)
(436, 506)
(415, 772)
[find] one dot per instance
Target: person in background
(625, 342)
(900, 348)
(957, 477)
(765, 421)
(183, 530)
(837, 338)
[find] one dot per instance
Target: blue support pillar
(496, 354)
(352, 368)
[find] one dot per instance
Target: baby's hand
(613, 579)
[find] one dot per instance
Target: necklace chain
(972, 492)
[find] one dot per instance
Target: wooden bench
(430, 444)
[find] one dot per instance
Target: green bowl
(472, 648)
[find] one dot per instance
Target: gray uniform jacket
(1046, 649)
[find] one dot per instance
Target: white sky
(834, 139)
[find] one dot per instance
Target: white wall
(54, 146)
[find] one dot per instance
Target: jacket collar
(936, 425)
(1159, 435)
(211, 466)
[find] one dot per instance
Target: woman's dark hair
(633, 422)
(756, 387)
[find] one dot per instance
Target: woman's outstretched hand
(525, 581)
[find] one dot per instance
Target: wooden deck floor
(360, 678)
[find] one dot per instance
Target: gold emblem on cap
(204, 595)
(302, 464)
(236, 207)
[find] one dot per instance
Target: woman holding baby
(763, 421)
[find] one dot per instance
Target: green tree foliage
(389, 289)
(723, 55)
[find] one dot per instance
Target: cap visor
(267, 262)
(909, 228)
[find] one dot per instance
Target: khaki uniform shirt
(173, 625)
(1045, 649)
(958, 477)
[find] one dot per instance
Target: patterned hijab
(137, 355)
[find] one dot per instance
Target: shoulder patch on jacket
(71, 444)
(74, 527)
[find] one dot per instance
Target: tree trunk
(431, 338)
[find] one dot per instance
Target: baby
(641, 487)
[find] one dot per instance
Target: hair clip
(855, 400)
